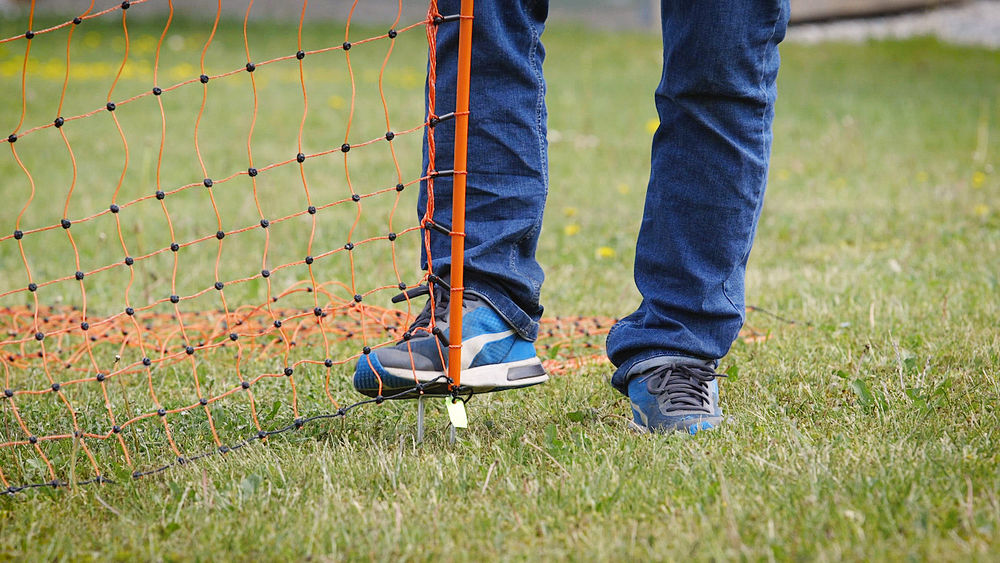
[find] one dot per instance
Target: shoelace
(439, 312)
(685, 387)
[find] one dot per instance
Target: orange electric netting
(200, 216)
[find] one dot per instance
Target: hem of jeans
(523, 325)
(653, 359)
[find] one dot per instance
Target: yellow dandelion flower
(623, 189)
(978, 179)
(569, 211)
(605, 252)
(571, 229)
(652, 125)
(335, 102)
(784, 174)
(981, 210)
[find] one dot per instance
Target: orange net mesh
(200, 217)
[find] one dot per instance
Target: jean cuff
(523, 325)
(645, 363)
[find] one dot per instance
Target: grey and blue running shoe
(676, 397)
(494, 356)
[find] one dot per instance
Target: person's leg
(709, 168)
(505, 197)
(508, 156)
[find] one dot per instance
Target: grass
(867, 430)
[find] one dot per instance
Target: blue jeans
(710, 156)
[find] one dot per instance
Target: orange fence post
(458, 194)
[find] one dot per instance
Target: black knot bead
(379, 400)
(341, 411)
(349, 246)
(233, 336)
(8, 393)
(101, 377)
(389, 135)
(181, 461)
(147, 362)
(392, 236)
(77, 20)
(245, 384)
(309, 259)
(29, 34)
(289, 372)
(65, 223)
(12, 138)
(347, 45)
(157, 90)
(345, 147)
(252, 172)
(366, 350)
(355, 198)
(358, 298)
(175, 298)
(56, 386)
(125, 5)
(110, 106)
(265, 273)
(261, 434)
(402, 286)
(407, 335)
(39, 336)
(129, 311)
(328, 363)
(59, 122)
(277, 324)
(433, 121)
(77, 434)
(78, 275)
(400, 187)
(436, 331)
(392, 33)
(203, 401)
(114, 208)
(116, 429)
(298, 423)
(174, 247)
(220, 235)
(300, 158)
(160, 194)
(203, 78)
(251, 67)
(318, 311)
(311, 209)
(18, 235)
(85, 325)
(33, 439)
(32, 287)
(223, 449)
(189, 350)
(129, 260)
(300, 55)
(264, 223)
(161, 412)
(219, 285)
(207, 182)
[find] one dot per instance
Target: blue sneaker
(684, 398)
(494, 357)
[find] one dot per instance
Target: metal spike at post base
(420, 419)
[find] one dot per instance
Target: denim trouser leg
(508, 156)
(709, 167)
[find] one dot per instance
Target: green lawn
(866, 430)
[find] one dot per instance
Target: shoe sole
(687, 427)
(482, 379)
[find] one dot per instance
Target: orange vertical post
(458, 193)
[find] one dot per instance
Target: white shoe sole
(493, 377)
